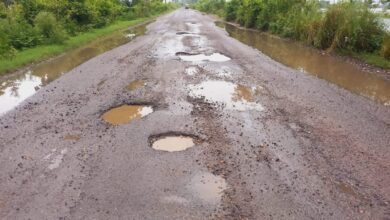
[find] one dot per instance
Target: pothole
(126, 113)
(136, 84)
(182, 32)
(172, 142)
(192, 70)
(230, 95)
(208, 187)
(214, 57)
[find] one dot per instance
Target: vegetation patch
(35, 30)
(346, 26)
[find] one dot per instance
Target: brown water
(15, 89)
(311, 61)
(126, 113)
(136, 84)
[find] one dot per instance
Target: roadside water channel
(17, 87)
(311, 61)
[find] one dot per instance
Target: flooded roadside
(18, 87)
(310, 61)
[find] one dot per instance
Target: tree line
(28, 23)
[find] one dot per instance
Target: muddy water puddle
(230, 95)
(136, 84)
(310, 61)
(15, 89)
(173, 143)
(126, 113)
(199, 58)
(208, 187)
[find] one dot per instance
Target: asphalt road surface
(257, 140)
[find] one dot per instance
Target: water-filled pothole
(232, 96)
(136, 84)
(126, 113)
(172, 143)
(208, 187)
(214, 57)
(192, 70)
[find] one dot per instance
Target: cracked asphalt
(286, 145)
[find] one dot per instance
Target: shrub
(6, 50)
(231, 9)
(351, 26)
(21, 35)
(385, 51)
(46, 24)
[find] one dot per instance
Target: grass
(44, 52)
(374, 59)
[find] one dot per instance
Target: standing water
(15, 89)
(309, 60)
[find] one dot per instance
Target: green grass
(43, 52)
(374, 59)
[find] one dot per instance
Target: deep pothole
(173, 142)
(124, 114)
(200, 57)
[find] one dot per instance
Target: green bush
(385, 51)
(46, 24)
(21, 35)
(211, 6)
(351, 26)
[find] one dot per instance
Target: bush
(385, 51)
(6, 50)
(352, 27)
(21, 35)
(211, 6)
(46, 24)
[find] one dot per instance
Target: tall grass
(343, 27)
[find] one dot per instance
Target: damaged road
(188, 123)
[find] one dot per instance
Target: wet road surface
(215, 130)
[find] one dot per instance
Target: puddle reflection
(14, 90)
(232, 96)
(309, 60)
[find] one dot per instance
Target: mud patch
(197, 58)
(126, 113)
(208, 187)
(230, 95)
(136, 84)
(172, 142)
(347, 189)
